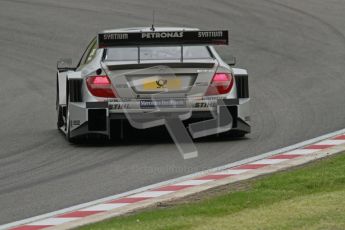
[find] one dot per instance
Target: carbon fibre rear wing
(216, 37)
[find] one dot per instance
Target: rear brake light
(100, 86)
(221, 84)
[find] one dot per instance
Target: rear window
(157, 53)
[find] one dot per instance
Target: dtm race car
(146, 77)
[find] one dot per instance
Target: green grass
(312, 197)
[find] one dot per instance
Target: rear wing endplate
(216, 37)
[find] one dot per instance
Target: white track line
(331, 142)
(151, 194)
(52, 221)
(301, 151)
(232, 172)
(269, 161)
(193, 182)
(104, 207)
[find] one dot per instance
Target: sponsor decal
(170, 83)
(118, 106)
(210, 34)
(202, 83)
(149, 104)
(205, 104)
(121, 86)
(115, 36)
(161, 83)
(156, 35)
(201, 105)
(205, 70)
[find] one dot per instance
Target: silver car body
(140, 88)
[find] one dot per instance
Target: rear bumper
(97, 117)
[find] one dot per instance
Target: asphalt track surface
(294, 51)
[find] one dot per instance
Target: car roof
(148, 29)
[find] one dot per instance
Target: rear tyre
(68, 127)
(60, 120)
(68, 122)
